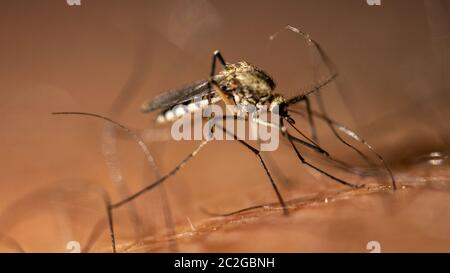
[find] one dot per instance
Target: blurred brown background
(108, 57)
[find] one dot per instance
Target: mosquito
(242, 83)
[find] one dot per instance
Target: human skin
(412, 219)
(111, 60)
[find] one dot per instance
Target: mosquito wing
(178, 96)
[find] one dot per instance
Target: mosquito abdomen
(181, 110)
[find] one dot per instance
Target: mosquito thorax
(246, 83)
(250, 85)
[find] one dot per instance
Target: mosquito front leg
(264, 166)
(302, 159)
(356, 137)
(312, 126)
(216, 56)
(318, 56)
(211, 83)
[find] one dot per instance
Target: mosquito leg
(264, 166)
(276, 170)
(318, 169)
(383, 162)
(317, 54)
(336, 134)
(100, 225)
(109, 150)
(213, 214)
(151, 162)
(312, 143)
(95, 233)
(317, 149)
(356, 137)
(109, 213)
(315, 49)
(168, 218)
(307, 144)
(216, 56)
(340, 164)
(149, 187)
(160, 180)
(312, 126)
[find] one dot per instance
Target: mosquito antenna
(308, 91)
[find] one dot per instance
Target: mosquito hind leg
(153, 185)
(111, 206)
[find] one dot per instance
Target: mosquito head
(279, 105)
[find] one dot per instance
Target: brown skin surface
(88, 58)
(412, 219)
